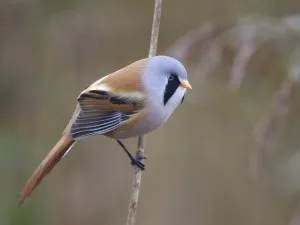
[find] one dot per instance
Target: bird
(129, 102)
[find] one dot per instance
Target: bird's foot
(138, 161)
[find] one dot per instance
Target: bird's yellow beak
(186, 84)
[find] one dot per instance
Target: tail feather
(53, 157)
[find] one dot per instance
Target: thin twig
(155, 27)
(141, 140)
(244, 54)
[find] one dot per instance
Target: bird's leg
(135, 161)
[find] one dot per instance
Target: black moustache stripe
(182, 99)
(171, 87)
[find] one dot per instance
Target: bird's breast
(149, 119)
(152, 116)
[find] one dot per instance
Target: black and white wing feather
(101, 112)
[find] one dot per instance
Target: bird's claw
(137, 161)
(140, 157)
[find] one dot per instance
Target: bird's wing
(102, 111)
(98, 112)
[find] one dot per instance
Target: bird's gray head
(165, 78)
(165, 66)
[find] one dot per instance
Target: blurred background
(229, 154)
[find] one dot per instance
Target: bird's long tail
(53, 157)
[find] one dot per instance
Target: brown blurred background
(198, 163)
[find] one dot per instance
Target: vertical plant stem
(155, 27)
(137, 176)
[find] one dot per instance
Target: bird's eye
(170, 77)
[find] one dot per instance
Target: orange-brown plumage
(127, 79)
(127, 103)
(46, 166)
(128, 124)
(123, 80)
